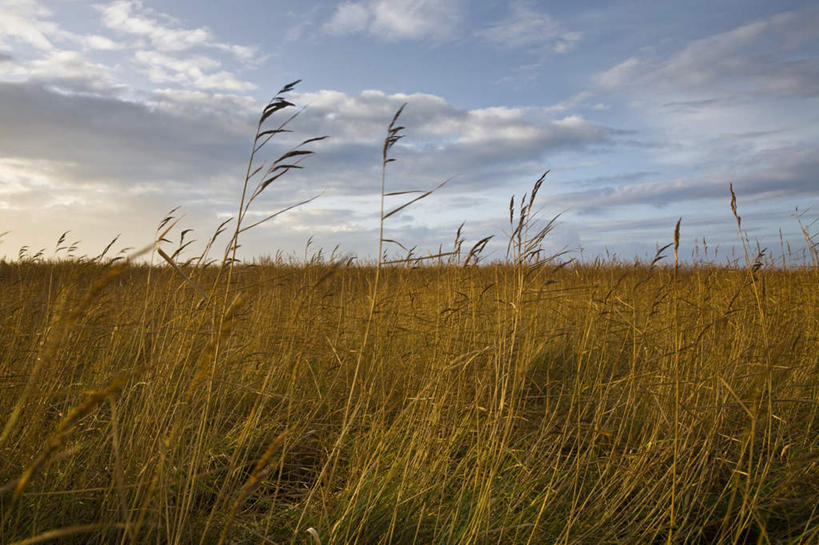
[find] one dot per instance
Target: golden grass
(494, 404)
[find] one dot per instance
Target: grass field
(495, 404)
(530, 401)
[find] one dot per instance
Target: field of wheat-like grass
(494, 404)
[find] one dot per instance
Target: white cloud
(237, 111)
(164, 33)
(223, 80)
(119, 16)
(415, 18)
(168, 53)
(360, 119)
(167, 50)
(195, 71)
(19, 175)
(528, 28)
(70, 65)
(29, 22)
(101, 43)
(64, 69)
(193, 66)
(26, 21)
(396, 19)
(46, 52)
(349, 18)
(482, 146)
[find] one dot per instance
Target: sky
(114, 113)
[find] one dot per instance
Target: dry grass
(517, 402)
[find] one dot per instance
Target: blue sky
(112, 113)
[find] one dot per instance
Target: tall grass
(435, 401)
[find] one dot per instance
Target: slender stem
(235, 238)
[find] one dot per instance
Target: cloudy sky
(113, 113)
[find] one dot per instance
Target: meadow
(531, 400)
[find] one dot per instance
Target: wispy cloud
(163, 32)
(790, 174)
(752, 59)
(396, 19)
(723, 108)
(526, 27)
